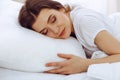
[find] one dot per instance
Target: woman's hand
(72, 64)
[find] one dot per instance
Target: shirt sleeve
(89, 27)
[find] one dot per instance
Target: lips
(62, 32)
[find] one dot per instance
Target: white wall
(112, 6)
(103, 6)
(20, 0)
(98, 5)
(118, 5)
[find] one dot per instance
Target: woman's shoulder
(83, 11)
(79, 12)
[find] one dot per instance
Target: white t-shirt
(87, 24)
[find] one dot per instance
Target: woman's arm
(75, 64)
(111, 46)
(107, 43)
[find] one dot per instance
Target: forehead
(42, 18)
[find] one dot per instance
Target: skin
(53, 23)
(74, 64)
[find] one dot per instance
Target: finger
(65, 73)
(50, 71)
(56, 71)
(66, 56)
(55, 64)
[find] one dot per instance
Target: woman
(93, 30)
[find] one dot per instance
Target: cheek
(50, 34)
(62, 19)
(68, 31)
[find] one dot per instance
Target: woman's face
(53, 23)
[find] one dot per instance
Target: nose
(54, 29)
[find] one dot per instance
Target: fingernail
(46, 64)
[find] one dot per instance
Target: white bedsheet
(104, 71)
(16, 75)
(6, 74)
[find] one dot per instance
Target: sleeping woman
(92, 29)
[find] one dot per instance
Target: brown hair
(32, 8)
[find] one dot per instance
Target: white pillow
(26, 50)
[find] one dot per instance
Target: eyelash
(54, 19)
(45, 31)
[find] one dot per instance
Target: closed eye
(44, 31)
(53, 19)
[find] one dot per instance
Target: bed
(16, 75)
(104, 71)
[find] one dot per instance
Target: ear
(66, 9)
(62, 10)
